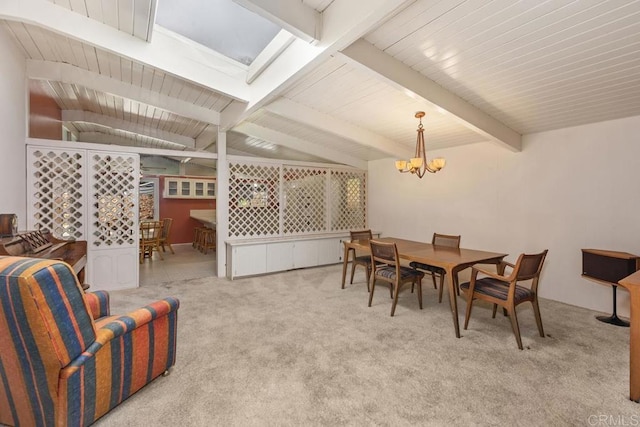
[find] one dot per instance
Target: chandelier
(418, 164)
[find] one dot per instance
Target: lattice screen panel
(305, 200)
(348, 200)
(254, 200)
(56, 192)
(113, 210)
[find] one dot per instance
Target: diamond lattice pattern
(254, 200)
(255, 191)
(305, 207)
(58, 193)
(348, 200)
(113, 200)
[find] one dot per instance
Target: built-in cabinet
(189, 188)
(260, 256)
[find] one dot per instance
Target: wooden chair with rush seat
(150, 232)
(504, 291)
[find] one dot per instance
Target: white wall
(13, 122)
(568, 189)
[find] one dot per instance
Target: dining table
(452, 260)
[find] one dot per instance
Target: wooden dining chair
(445, 240)
(365, 260)
(165, 235)
(504, 291)
(150, 239)
(386, 267)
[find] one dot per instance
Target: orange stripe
(103, 380)
(81, 395)
(61, 404)
(161, 344)
(140, 345)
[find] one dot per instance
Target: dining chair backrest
(166, 227)
(383, 252)
(150, 230)
(529, 266)
(361, 235)
(445, 240)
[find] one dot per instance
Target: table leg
(453, 300)
(345, 261)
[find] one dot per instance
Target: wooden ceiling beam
(327, 123)
(112, 122)
(189, 60)
(57, 71)
(294, 16)
(365, 56)
(279, 138)
(343, 22)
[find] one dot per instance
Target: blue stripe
(73, 400)
(7, 392)
(127, 342)
(89, 390)
(173, 320)
(116, 380)
(152, 347)
(56, 302)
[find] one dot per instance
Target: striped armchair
(64, 360)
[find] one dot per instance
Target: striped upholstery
(499, 289)
(60, 367)
(427, 267)
(98, 303)
(389, 271)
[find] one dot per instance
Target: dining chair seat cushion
(498, 289)
(405, 272)
(363, 259)
(427, 267)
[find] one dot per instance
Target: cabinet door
(185, 188)
(248, 260)
(198, 188)
(305, 253)
(171, 187)
(330, 251)
(279, 256)
(211, 189)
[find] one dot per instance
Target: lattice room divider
(89, 195)
(56, 188)
(278, 199)
(113, 195)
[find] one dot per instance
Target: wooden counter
(206, 216)
(632, 284)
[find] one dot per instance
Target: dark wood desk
(452, 260)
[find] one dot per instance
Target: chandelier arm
(419, 165)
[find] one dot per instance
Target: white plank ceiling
(520, 66)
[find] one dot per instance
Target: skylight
(221, 25)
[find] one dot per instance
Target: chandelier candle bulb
(419, 165)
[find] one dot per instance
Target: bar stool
(197, 236)
(208, 239)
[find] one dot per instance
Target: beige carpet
(295, 349)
